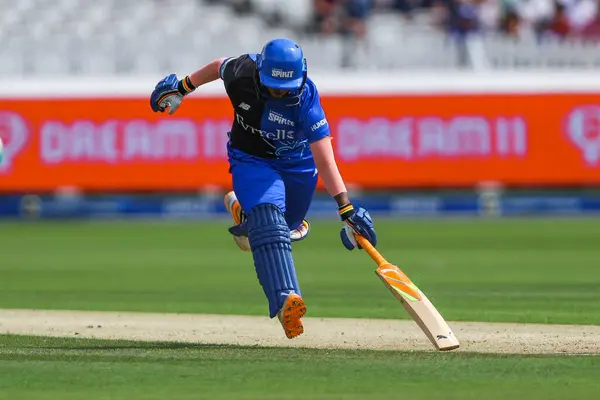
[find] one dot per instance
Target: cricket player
(278, 141)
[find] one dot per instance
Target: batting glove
(356, 221)
(169, 92)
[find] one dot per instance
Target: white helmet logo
(13, 131)
(279, 73)
(584, 130)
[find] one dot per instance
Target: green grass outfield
(35, 369)
(525, 270)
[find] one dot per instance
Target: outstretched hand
(166, 94)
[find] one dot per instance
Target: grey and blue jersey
(267, 128)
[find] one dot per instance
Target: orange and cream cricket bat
(414, 301)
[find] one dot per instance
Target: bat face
(418, 306)
(413, 300)
(398, 282)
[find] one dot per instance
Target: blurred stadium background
(82, 37)
(458, 106)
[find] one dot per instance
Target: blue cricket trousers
(289, 184)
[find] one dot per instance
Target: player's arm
(324, 157)
(356, 221)
(170, 91)
(316, 128)
(208, 73)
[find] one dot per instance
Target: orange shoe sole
(291, 315)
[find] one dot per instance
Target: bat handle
(365, 244)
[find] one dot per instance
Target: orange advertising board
(380, 141)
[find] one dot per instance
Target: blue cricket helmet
(281, 65)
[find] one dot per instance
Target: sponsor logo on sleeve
(319, 124)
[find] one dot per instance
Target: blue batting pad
(269, 238)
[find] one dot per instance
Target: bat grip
(368, 247)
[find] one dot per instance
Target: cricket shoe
(291, 315)
(239, 231)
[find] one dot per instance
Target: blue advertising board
(211, 206)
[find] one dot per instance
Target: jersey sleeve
(315, 123)
(228, 70)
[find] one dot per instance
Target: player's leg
(269, 238)
(300, 187)
(260, 190)
(252, 178)
(254, 181)
(299, 191)
(240, 232)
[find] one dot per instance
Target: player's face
(278, 93)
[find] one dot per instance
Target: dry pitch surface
(319, 332)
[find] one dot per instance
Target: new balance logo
(244, 106)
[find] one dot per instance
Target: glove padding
(166, 94)
(357, 222)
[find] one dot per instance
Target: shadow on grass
(147, 346)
